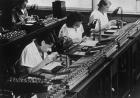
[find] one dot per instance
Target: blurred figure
(19, 12)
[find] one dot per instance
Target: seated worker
(35, 55)
(73, 27)
(100, 16)
(19, 12)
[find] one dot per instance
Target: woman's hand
(113, 22)
(47, 60)
(110, 23)
(53, 56)
(85, 38)
(107, 26)
(76, 40)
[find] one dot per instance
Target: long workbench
(107, 73)
(117, 74)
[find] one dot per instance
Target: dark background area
(6, 5)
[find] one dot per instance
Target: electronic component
(127, 31)
(56, 91)
(49, 21)
(13, 35)
(27, 85)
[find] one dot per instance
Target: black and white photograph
(69, 48)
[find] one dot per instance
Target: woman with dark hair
(19, 12)
(100, 16)
(73, 29)
(37, 54)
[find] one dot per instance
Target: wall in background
(43, 12)
(126, 17)
(129, 6)
(70, 4)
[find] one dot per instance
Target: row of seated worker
(74, 30)
(19, 16)
(38, 53)
(71, 32)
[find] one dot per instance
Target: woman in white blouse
(35, 55)
(73, 28)
(100, 16)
